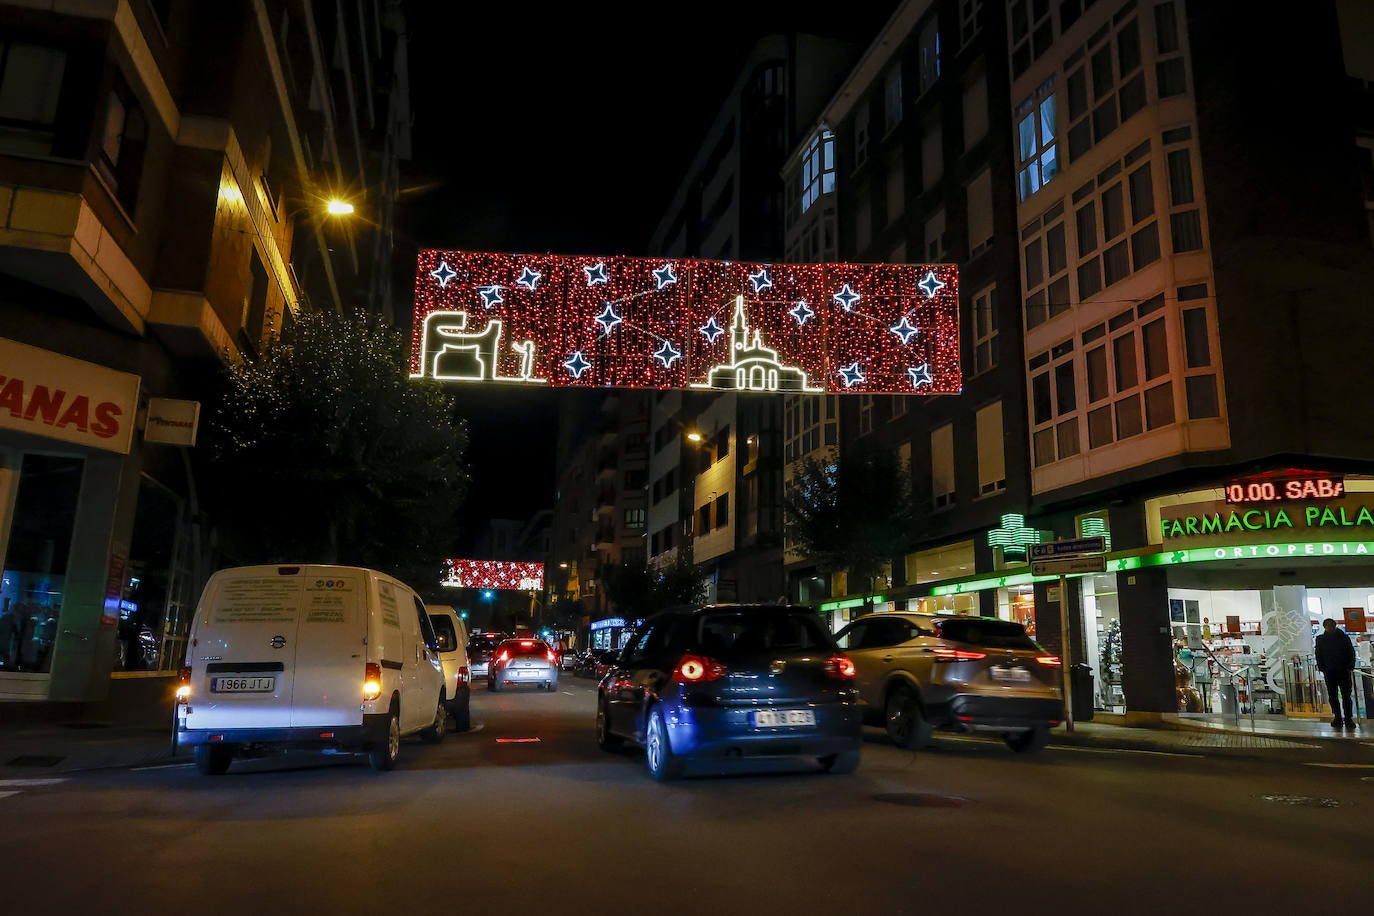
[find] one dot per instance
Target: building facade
(161, 165)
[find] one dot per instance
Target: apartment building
(164, 169)
(715, 470)
(1179, 303)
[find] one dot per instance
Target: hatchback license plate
(773, 718)
(1011, 675)
(243, 684)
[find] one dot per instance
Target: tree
(642, 590)
(850, 514)
(324, 450)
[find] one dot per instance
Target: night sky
(566, 129)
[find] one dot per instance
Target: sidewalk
(132, 728)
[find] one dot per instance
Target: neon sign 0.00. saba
(1270, 491)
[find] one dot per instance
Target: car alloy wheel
(604, 739)
(905, 725)
(658, 752)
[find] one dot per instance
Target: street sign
(1074, 548)
(1069, 566)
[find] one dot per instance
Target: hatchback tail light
(502, 656)
(372, 681)
(697, 669)
(946, 654)
(184, 685)
(1049, 661)
(553, 659)
(840, 667)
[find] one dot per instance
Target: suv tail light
(184, 685)
(372, 681)
(697, 669)
(1049, 661)
(946, 654)
(840, 667)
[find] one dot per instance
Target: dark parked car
(918, 672)
(481, 647)
(732, 681)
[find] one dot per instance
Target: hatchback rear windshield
(485, 643)
(723, 634)
(995, 634)
(525, 647)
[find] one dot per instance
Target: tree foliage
(641, 590)
(324, 450)
(853, 513)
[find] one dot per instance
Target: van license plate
(773, 718)
(243, 684)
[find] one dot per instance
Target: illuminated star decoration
(761, 280)
(920, 375)
(667, 354)
(608, 319)
(491, 295)
(596, 274)
(846, 297)
(930, 285)
(528, 278)
(443, 273)
(577, 364)
(905, 330)
(801, 311)
(852, 375)
(664, 276)
(711, 330)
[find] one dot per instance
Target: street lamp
(337, 207)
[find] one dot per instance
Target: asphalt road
(485, 825)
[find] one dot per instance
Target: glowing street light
(338, 207)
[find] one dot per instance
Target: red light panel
(519, 576)
(678, 323)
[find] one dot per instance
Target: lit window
(1037, 153)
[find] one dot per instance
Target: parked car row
(736, 681)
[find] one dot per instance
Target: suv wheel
(1029, 741)
(658, 751)
(906, 726)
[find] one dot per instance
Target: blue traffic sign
(1075, 548)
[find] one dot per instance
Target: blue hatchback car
(732, 681)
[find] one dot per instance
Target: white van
(451, 631)
(335, 658)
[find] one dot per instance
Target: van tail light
(372, 681)
(840, 667)
(1049, 661)
(463, 676)
(697, 669)
(946, 654)
(184, 685)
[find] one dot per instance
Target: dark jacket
(1335, 654)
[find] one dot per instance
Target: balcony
(605, 538)
(605, 498)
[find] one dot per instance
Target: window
(30, 89)
(1108, 88)
(1032, 33)
(1054, 402)
(865, 414)
(992, 461)
(1171, 73)
(1114, 239)
(975, 111)
(863, 220)
(1185, 218)
(634, 518)
(861, 134)
(984, 330)
(818, 169)
(1200, 388)
(895, 188)
(892, 97)
(932, 151)
(636, 479)
(123, 138)
(934, 237)
(1037, 156)
(969, 13)
(942, 465)
(979, 195)
(723, 510)
(1045, 263)
(930, 54)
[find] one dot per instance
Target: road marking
(1121, 750)
(1343, 766)
(517, 740)
(569, 693)
(23, 783)
(162, 766)
(7, 794)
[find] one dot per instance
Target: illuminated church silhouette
(753, 366)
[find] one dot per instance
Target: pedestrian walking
(1336, 662)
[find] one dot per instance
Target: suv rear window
(722, 634)
(994, 634)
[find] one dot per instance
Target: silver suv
(920, 672)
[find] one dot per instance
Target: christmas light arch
(680, 323)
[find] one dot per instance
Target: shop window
(35, 562)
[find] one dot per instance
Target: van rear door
(243, 657)
(329, 648)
